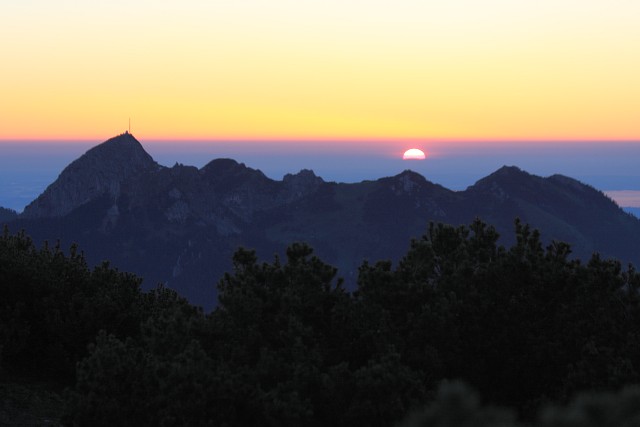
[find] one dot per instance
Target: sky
(499, 70)
(339, 86)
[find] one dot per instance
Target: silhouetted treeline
(7, 214)
(525, 326)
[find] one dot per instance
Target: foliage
(28, 404)
(288, 345)
(291, 331)
(523, 325)
(457, 405)
(53, 305)
(604, 409)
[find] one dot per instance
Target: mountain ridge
(179, 225)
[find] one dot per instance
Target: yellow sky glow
(375, 69)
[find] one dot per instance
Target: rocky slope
(101, 170)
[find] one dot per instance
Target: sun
(413, 154)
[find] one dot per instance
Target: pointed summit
(411, 182)
(99, 171)
(124, 149)
(508, 173)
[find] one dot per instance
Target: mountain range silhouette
(180, 225)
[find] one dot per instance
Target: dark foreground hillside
(525, 326)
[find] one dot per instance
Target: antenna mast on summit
(129, 124)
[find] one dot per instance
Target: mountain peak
(511, 171)
(223, 168)
(410, 182)
(301, 184)
(506, 175)
(305, 176)
(227, 174)
(411, 174)
(123, 138)
(124, 148)
(99, 171)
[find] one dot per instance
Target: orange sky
(330, 69)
